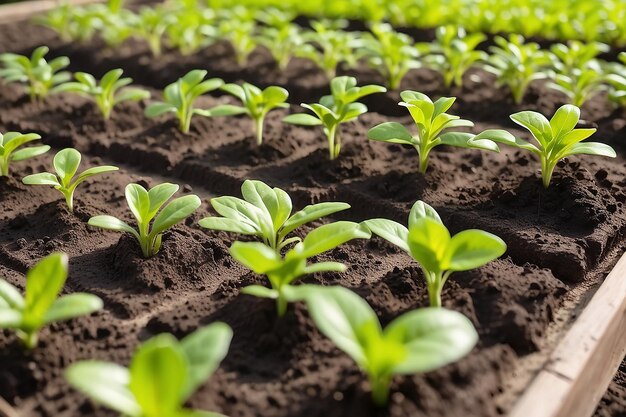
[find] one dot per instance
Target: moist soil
(562, 241)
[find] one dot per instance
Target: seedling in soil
(72, 23)
(416, 342)
(256, 104)
(145, 205)
(328, 46)
(282, 42)
(581, 85)
(238, 27)
(453, 53)
(390, 53)
(163, 374)
(180, 97)
(283, 271)
(332, 110)
(108, 93)
(576, 55)
(438, 253)
(9, 152)
(40, 75)
(66, 164)
(617, 80)
(556, 138)
(265, 212)
(41, 304)
(150, 25)
(516, 64)
(431, 120)
(194, 30)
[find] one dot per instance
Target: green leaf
(391, 231)
(44, 178)
(325, 267)
(44, 282)
(205, 348)
(66, 164)
(465, 140)
(592, 148)
(30, 152)
(472, 248)
(112, 223)
(11, 295)
(392, 132)
(158, 195)
(564, 120)
(234, 90)
(138, 202)
(175, 212)
(331, 235)
(421, 210)
(10, 319)
(428, 241)
(157, 109)
(310, 213)
(257, 256)
(302, 119)
(536, 123)
(159, 376)
(344, 317)
(260, 291)
(434, 337)
(73, 305)
(227, 225)
(106, 383)
(274, 95)
(227, 110)
(90, 172)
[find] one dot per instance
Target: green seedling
(282, 271)
(146, 206)
(556, 138)
(328, 46)
(41, 304)
(575, 55)
(73, 23)
(256, 104)
(150, 26)
(282, 42)
(163, 374)
(516, 64)
(333, 110)
(617, 79)
(431, 120)
(439, 254)
(265, 212)
(40, 75)
(194, 29)
(179, 98)
(9, 152)
(108, 93)
(581, 85)
(237, 25)
(453, 53)
(66, 163)
(390, 53)
(416, 342)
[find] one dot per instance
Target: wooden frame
(579, 370)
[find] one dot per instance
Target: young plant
(163, 374)
(556, 138)
(146, 206)
(431, 120)
(180, 97)
(150, 25)
(108, 93)
(453, 53)
(516, 64)
(439, 254)
(9, 144)
(41, 304)
(333, 110)
(328, 46)
(581, 85)
(617, 80)
(194, 30)
(238, 27)
(282, 42)
(72, 23)
(390, 53)
(576, 55)
(256, 104)
(418, 341)
(66, 164)
(40, 75)
(283, 271)
(265, 212)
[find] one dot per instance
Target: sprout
(66, 164)
(145, 205)
(9, 144)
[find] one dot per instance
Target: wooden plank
(582, 366)
(24, 10)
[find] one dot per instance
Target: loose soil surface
(561, 241)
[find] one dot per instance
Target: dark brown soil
(561, 240)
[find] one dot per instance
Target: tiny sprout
(41, 304)
(9, 144)
(66, 164)
(145, 205)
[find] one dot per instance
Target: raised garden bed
(562, 243)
